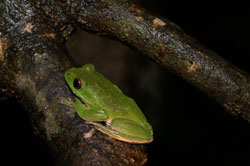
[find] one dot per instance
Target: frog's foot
(89, 134)
(75, 105)
(68, 103)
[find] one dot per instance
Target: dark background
(188, 126)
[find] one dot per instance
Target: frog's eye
(77, 83)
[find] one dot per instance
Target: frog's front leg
(90, 113)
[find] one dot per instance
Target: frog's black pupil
(77, 83)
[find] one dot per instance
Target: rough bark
(32, 62)
(167, 44)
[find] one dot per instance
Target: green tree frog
(101, 103)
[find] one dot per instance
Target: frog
(101, 103)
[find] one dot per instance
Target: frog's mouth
(83, 102)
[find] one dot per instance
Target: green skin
(99, 100)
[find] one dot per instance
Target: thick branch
(32, 62)
(169, 46)
(31, 49)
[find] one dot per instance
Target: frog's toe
(68, 103)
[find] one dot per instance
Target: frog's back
(109, 97)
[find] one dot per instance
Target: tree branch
(167, 44)
(33, 61)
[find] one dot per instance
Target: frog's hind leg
(132, 130)
(125, 130)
